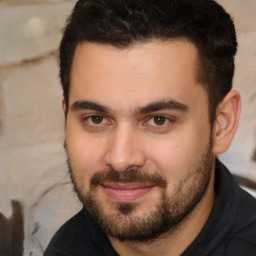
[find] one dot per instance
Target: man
(148, 106)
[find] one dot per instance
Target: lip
(126, 192)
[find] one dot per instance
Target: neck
(179, 238)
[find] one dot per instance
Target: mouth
(126, 192)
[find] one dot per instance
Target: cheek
(176, 155)
(170, 159)
(86, 153)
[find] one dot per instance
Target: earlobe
(226, 122)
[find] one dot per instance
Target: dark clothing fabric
(229, 231)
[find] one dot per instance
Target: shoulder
(71, 236)
(247, 207)
(236, 212)
(245, 224)
(242, 237)
(79, 236)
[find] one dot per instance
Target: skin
(110, 124)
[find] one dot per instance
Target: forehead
(135, 75)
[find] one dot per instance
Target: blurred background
(36, 196)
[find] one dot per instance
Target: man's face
(138, 136)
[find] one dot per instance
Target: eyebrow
(163, 104)
(84, 104)
(152, 107)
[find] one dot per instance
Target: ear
(64, 106)
(226, 122)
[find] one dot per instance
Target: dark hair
(124, 22)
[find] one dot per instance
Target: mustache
(129, 176)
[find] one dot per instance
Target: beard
(124, 222)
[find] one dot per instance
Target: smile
(126, 192)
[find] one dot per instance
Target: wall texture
(241, 155)
(35, 193)
(32, 161)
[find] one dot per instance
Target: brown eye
(96, 119)
(96, 123)
(159, 120)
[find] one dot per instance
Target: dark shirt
(229, 231)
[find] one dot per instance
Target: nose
(125, 150)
